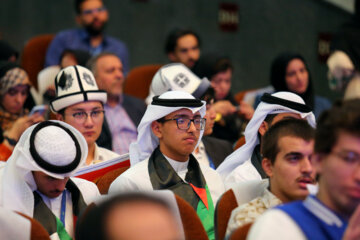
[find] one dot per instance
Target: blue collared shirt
(123, 131)
(80, 39)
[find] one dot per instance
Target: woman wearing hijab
(289, 72)
(14, 90)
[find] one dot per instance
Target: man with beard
(92, 15)
(183, 45)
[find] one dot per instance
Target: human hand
(224, 107)
(246, 110)
(21, 124)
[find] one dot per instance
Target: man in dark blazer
(217, 149)
(122, 112)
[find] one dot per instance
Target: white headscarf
(176, 77)
(55, 146)
(14, 226)
(146, 140)
(244, 153)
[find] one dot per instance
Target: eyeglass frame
(202, 123)
(80, 120)
(87, 12)
(344, 155)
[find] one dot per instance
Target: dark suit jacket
(217, 149)
(134, 107)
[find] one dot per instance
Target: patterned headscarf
(11, 75)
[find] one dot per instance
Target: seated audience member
(210, 151)
(92, 16)
(244, 164)
(8, 52)
(80, 103)
(346, 38)
(161, 158)
(12, 222)
(289, 72)
(183, 46)
(343, 77)
(116, 135)
(232, 115)
(14, 118)
(46, 87)
(36, 179)
(130, 216)
(287, 148)
(334, 212)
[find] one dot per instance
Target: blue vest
(315, 220)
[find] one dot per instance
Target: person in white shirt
(161, 157)
(210, 151)
(37, 179)
(244, 164)
(334, 212)
(80, 103)
(287, 148)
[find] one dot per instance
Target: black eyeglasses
(80, 117)
(94, 10)
(184, 123)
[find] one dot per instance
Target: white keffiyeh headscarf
(281, 103)
(146, 140)
(52, 147)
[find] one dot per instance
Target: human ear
(156, 129)
(60, 117)
(267, 166)
(172, 57)
(263, 128)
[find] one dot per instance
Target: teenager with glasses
(162, 158)
(80, 103)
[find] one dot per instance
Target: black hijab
(278, 73)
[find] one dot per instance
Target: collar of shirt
(97, 157)
(269, 199)
(322, 212)
(120, 102)
(84, 35)
(201, 155)
(176, 165)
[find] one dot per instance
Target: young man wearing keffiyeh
(37, 179)
(161, 158)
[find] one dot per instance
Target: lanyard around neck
(63, 208)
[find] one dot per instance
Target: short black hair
(78, 6)
(78, 3)
(344, 116)
(290, 127)
(211, 64)
(92, 223)
(173, 37)
(208, 96)
(270, 117)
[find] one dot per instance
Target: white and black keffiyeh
(280, 102)
(161, 106)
